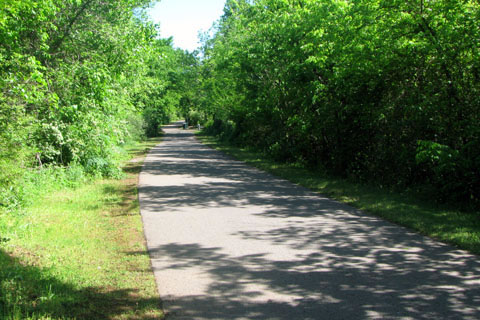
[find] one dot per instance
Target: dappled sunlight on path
(228, 241)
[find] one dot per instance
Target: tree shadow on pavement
(339, 263)
(335, 283)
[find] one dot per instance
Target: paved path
(228, 241)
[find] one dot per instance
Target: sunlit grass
(461, 229)
(79, 254)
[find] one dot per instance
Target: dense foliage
(378, 90)
(384, 91)
(78, 78)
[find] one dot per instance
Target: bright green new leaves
(77, 80)
(352, 86)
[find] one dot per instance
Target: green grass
(461, 229)
(79, 253)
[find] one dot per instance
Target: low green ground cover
(456, 227)
(78, 252)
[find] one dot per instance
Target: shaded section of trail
(228, 241)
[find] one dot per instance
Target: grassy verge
(79, 253)
(461, 229)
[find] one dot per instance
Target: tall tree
(383, 90)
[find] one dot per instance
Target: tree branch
(54, 47)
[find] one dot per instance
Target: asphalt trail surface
(228, 241)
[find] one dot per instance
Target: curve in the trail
(228, 241)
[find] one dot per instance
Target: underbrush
(73, 247)
(37, 182)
